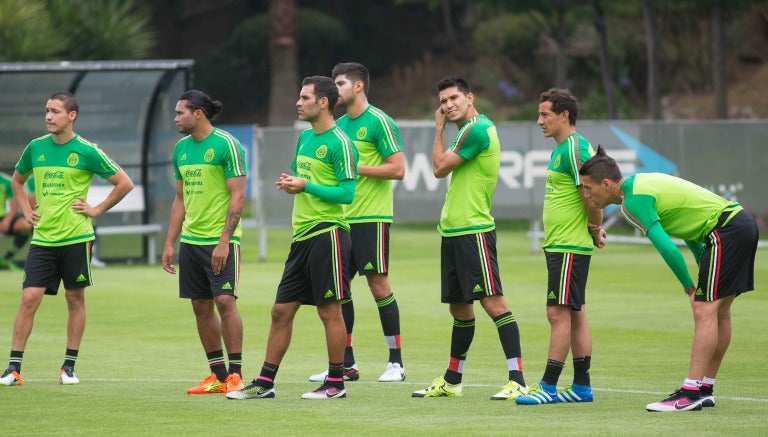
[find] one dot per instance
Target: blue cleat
(542, 393)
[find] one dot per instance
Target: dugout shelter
(127, 108)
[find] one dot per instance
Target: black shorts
(196, 278)
(469, 268)
(370, 248)
(48, 266)
(728, 263)
(315, 271)
(567, 278)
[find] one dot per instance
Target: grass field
(141, 352)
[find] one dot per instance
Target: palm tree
(26, 33)
(606, 65)
(103, 29)
(283, 62)
(718, 59)
(651, 47)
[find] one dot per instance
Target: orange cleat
(234, 382)
(209, 385)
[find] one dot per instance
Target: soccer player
(210, 170)
(11, 224)
(323, 178)
(572, 226)
(469, 268)
(63, 164)
(377, 140)
(723, 239)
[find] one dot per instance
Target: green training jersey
(565, 219)
(6, 192)
(203, 168)
(376, 137)
(467, 207)
(323, 159)
(684, 209)
(62, 173)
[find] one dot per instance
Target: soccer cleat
(11, 377)
(677, 401)
(209, 385)
(234, 382)
(439, 388)
(394, 373)
(326, 391)
(576, 393)
(253, 391)
(67, 376)
(350, 374)
(541, 393)
(511, 391)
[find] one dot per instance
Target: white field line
(416, 384)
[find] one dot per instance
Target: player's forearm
(175, 222)
(384, 171)
(122, 185)
(438, 156)
(671, 255)
(343, 193)
(17, 186)
(234, 212)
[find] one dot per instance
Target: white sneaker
(318, 377)
(350, 374)
(67, 376)
(394, 373)
(96, 262)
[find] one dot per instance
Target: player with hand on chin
(468, 262)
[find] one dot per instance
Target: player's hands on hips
(290, 184)
(32, 217)
(167, 260)
(82, 207)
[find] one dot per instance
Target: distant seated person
(11, 224)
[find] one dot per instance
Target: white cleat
(394, 373)
(67, 376)
(11, 377)
(350, 374)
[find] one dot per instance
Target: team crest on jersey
(208, 157)
(557, 162)
(362, 132)
(73, 159)
(321, 151)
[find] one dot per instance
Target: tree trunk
(651, 40)
(561, 69)
(283, 63)
(450, 31)
(605, 61)
(720, 87)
